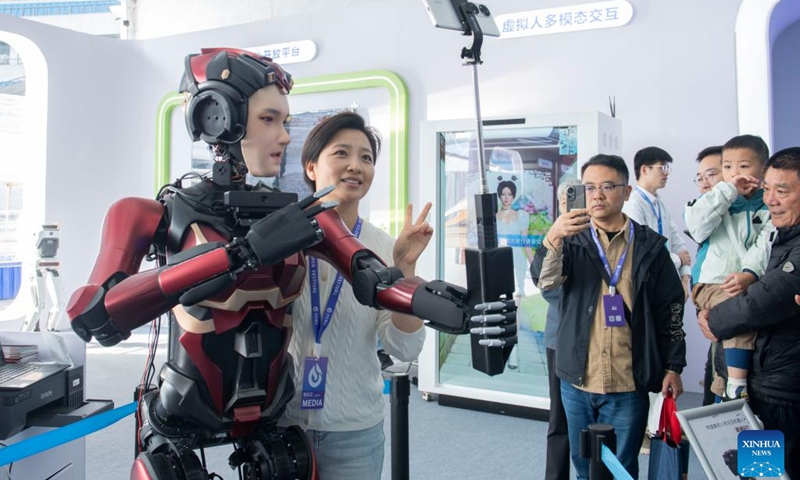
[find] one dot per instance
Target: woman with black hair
(347, 433)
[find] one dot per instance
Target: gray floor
(445, 443)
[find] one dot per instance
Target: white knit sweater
(354, 388)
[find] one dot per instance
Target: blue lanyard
(313, 274)
(612, 286)
(652, 207)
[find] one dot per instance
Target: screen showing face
(524, 168)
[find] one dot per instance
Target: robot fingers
(487, 330)
(495, 318)
(498, 342)
(500, 328)
(499, 305)
(309, 200)
(492, 318)
(317, 209)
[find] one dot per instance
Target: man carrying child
(731, 217)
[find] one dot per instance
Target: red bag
(669, 427)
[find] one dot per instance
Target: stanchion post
(400, 392)
(591, 447)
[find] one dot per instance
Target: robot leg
(280, 454)
(39, 294)
(167, 452)
(55, 291)
(168, 462)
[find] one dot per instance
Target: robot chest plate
(277, 285)
(268, 288)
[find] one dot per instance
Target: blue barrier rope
(60, 436)
(74, 431)
(613, 464)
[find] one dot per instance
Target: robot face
(266, 136)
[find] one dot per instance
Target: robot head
(218, 83)
(47, 241)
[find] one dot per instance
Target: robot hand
(94, 320)
(496, 324)
(445, 307)
(277, 236)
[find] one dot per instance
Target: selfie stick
(490, 269)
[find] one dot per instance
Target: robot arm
(444, 306)
(128, 230)
(117, 299)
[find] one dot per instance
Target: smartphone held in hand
(576, 197)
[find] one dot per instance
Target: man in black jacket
(621, 324)
(768, 307)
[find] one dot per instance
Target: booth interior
(99, 126)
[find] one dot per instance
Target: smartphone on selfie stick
(490, 267)
(444, 15)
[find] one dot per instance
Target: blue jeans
(349, 455)
(626, 412)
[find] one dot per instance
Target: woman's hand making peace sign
(412, 240)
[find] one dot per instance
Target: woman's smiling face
(348, 163)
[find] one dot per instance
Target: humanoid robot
(231, 261)
(48, 290)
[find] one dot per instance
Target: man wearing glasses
(652, 166)
(709, 168)
(709, 173)
(621, 313)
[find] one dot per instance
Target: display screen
(524, 166)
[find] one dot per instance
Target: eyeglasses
(666, 168)
(709, 176)
(607, 188)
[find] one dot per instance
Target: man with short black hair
(709, 173)
(557, 464)
(621, 313)
(768, 307)
(709, 168)
(652, 166)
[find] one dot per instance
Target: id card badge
(615, 310)
(315, 373)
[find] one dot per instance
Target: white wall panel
(104, 92)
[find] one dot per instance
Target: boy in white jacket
(733, 218)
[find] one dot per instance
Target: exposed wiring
(149, 370)
(148, 374)
(177, 185)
